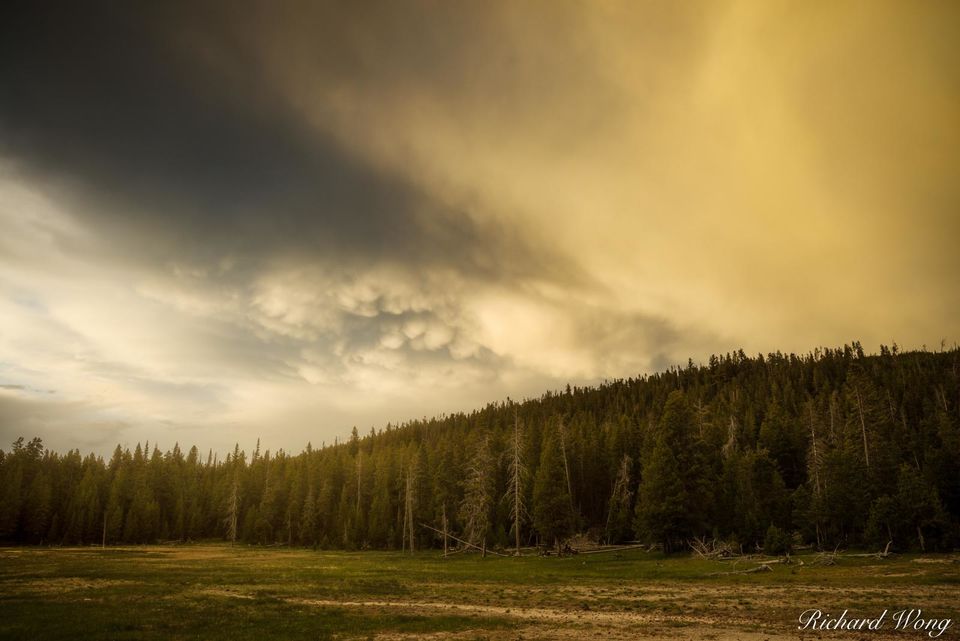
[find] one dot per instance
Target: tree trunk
(408, 510)
(816, 454)
(566, 468)
(359, 470)
(700, 412)
(863, 426)
(233, 508)
(445, 547)
(517, 480)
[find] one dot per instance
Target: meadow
(240, 592)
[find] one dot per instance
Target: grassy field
(222, 592)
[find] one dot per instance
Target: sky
(224, 221)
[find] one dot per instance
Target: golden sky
(284, 219)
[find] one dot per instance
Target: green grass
(223, 592)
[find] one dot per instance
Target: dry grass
(217, 591)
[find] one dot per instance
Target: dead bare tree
(517, 474)
(833, 430)
(730, 446)
(815, 462)
(863, 425)
(359, 477)
(445, 530)
(478, 495)
(566, 467)
(700, 411)
(621, 495)
(233, 512)
(408, 505)
(815, 459)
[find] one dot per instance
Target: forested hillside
(834, 447)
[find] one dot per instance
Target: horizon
(286, 221)
(220, 456)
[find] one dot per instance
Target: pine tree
(918, 507)
(11, 494)
(37, 508)
(308, 519)
(551, 502)
(661, 513)
(675, 487)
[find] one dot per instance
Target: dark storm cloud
(227, 215)
(168, 154)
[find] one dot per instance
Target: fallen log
(467, 543)
(759, 568)
(618, 548)
(876, 555)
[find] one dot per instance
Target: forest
(832, 448)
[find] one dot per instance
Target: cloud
(762, 196)
(302, 217)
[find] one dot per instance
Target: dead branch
(827, 558)
(711, 549)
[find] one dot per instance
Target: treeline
(832, 448)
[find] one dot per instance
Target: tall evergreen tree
(552, 515)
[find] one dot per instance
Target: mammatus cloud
(284, 221)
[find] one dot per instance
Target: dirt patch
(67, 584)
(540, 614)
(936, 560)
(221, 592)
(188, 553)
(463, 635)
(711, 612)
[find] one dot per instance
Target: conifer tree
(764, 430)
(551, 502)
(661, 514)
(674, 493)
